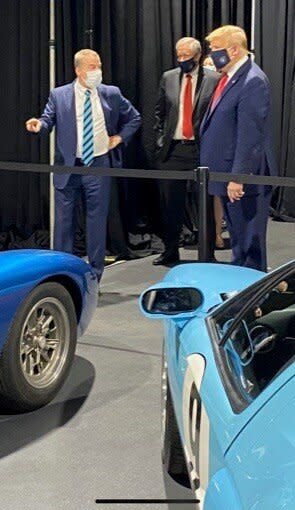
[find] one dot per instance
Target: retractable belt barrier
(150, 174)
(201, 175)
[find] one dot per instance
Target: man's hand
(235, 191)
(114, 141)
(33, 125)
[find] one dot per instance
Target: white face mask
(93, 78)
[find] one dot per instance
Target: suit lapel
(71, 103)
(70, 108)
(105, 108)
(200, 85)
(198, 89)
(176, 87)
(244, 68)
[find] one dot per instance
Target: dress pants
(96, 190)
(182, 156)
(246, 221)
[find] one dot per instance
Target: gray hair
(80, 55)
(193, 43)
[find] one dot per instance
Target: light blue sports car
(46, 301)
(228, 383)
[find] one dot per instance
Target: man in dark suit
(236, 138)
(92, 121)
(184, 95)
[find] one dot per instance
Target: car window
(262, 343)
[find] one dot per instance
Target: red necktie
(218, 91)
(187, 125)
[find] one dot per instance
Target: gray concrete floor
(100, 438)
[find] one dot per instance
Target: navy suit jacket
(236, 136)
(121, 118)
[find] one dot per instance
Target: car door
(261, 461)
(254, 342)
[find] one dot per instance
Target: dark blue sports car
(47, 299)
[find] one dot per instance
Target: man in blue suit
(236, 138)
(93, 121)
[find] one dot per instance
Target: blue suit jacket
(121, 118)
(236, 136)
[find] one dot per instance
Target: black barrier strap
(90, 170)
(201, 175)
(149, 174)
(252, 179)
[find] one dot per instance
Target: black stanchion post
(202, 178)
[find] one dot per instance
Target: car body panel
(22, 270)
(222, 493)
(234, 483)
(262, 458)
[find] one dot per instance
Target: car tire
(40, 348)
(172, 452)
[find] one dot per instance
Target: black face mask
(187, 65)
(220, 58)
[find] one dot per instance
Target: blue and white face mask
(220, 58)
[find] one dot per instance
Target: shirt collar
(237, 66)
(80, 87)
(193, 73)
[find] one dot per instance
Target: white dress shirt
(178, 135)
(236, 67)
(101, 138)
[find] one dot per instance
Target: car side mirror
(172, 301)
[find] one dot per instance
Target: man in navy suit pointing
(236, 138)
(93, 121)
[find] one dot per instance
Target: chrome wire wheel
(44, 342)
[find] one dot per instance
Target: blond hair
(193, 43)
(232, 33)
(81, 54)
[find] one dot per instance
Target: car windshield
(262, 343)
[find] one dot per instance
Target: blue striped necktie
(87, 144)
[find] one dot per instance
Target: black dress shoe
(166, 258)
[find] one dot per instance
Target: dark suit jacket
(167, 108)
(236, 135)
(121, 118)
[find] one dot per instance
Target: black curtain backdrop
(136, 40)
(23, 87)
(275, 52)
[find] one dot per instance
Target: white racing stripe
(196, 425)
